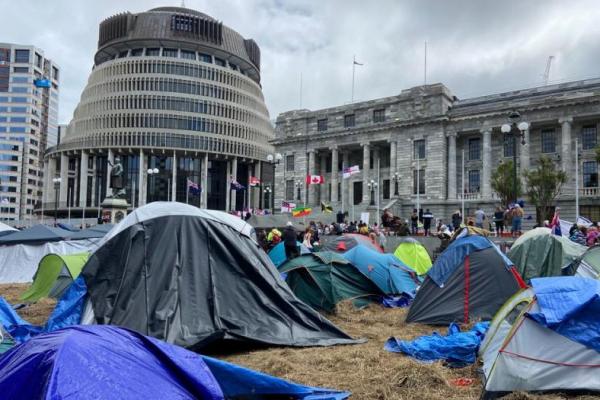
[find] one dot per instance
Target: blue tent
(36, 234)
(107, 362)
(277, 253)
(97, 231)
(384, 269)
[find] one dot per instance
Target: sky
(475, 47)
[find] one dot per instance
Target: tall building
(29, 86)
(411, 149)
(172, 90)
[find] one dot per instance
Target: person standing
(456, 220)
(382, 239)
(308, 238)
(427, 219)
(479, 217)
(517, 218)
(414, 222)
(499, 221)
(290, 241)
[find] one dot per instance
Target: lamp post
(152, 173)
(298, 185)
(56, 182)
(372, 185)
(268, 193)
(515, 128)
(274, 160)
(396, 179)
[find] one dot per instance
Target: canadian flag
(314, 180)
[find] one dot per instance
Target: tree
(502, 183)
(543, 186)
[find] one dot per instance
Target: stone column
(249, 188)
(233, 202)
(111, 160)
(452, 166)
(486, 187)
(204, 181)
(83, 179)
(366, 172)
(323, 172)
(51, 174)
(375, 175)
(142, 183)
(524, 159)
(228, 187)
(393, 166)
(334, 174)
(310, 171)
(174, 178)
(345, 182)
(565, 148)
(64, 180)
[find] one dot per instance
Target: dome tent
(470, 280)
(412, 253)
(107, 362)
(539, 253)
(277, 253)
(349, 241)
(545, 338)
(192, 277)
(588, 264)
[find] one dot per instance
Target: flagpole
(300, 89)
(353, 69)
(187, 192)
(462, 191)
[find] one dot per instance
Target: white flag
(348, 172)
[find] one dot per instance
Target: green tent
(588, 265)
(325, 278)
(54, 274)
(412, 253)
(539, 253)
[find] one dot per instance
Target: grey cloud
(474, 47)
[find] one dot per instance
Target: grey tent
(97, 231)
(193, 277)
(36, 234)
(469, 281)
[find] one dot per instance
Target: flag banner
(348, 172)
(287, 207)
(193, 187)
(235, 185)
(555, 223)
(314, 179)
(301, 211)
(583, 221)
(254, 181)
(326, 208)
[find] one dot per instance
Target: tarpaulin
(401, 301)
(107, 362)
(455, 253)
(570, 306)
(457, 348)
(67, 312)
(277, 253)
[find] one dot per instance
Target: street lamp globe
(270, 158)
(155, 170)
(278, 157)
(523, 126)
(150, 171)
(505, 128)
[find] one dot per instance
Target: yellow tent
(412, 253)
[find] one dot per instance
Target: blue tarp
(383, 269)
(277, 253)
(36, 234)
(66, 313)
(401, 301)
(569, 306)
(447, 262)
(107, 362)
(457, 348)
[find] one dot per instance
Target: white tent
(19, 262)
(520, 354)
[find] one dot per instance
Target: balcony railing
(469, 196)
(589, 192)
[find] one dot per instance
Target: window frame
(421, 181)
(419, 147)
(472, 149)
(349, 117)
(321, 124)
(470, 181)
(546, 143)
(591, 132)
(591, 174)
(379, 115)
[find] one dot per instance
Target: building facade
(177, 96)
(29, 88)
(411, 149)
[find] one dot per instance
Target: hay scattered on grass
(37, 313)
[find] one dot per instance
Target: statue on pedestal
(117, 181)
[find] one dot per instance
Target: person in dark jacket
(290, 241)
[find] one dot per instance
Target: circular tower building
(177, 96)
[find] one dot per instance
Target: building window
(509, 140)
(207, 58)
(386, 189)
(137, 52)
(170, 53)
(590, 174)
(188, 55)
(548, 141)
(349, 121)
(590, 212)
(123, 54)
(219, 62)
(322, 124)
(474, 149)
(419, 149)
(379, 115)
(589, 138)
(289, 189)
(21, 56)
(474, 184)
(289, 163)
(419, 177)
(153, 52)
(20, 70)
